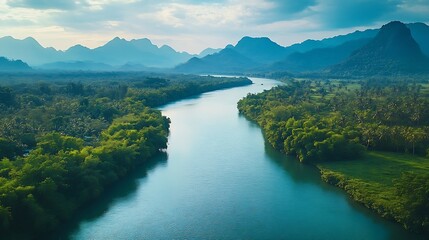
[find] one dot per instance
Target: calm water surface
(219, 180)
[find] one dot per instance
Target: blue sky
(190, 25)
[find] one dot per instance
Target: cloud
(195, 24)
(14, 22)
(342, 14)
(45, 4)
(412, 10)
(284, 9)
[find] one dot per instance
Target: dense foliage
(328, 121)
(84, 108)
(62, 143)
(324, 121)
(60, 174)
(392, 184)
(414, 191)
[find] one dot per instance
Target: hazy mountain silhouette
(28, 50)
(420, 33)
(76, 66)
(226, 61)
(116, 52)
(319, 58)
(209, 51)
(138, 51)
(78, 53)
(261, 50)
(392, 51)
(310, 55)
(7, 65)
(266, 55)
(247, 54)
(309, 45)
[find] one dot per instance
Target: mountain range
(250, 55)
(262, 55)
(116, 52)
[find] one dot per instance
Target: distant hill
(247, 54)
(28, 50)
(420, 33)
(261, 50)
(266, 55)
(141, 51)
(7, 65)
(76, 66)
(226, 61)
(319, 58)
(208, 51)
(309, 45)
(310, 55)
(97, 67)
(263, 54)
(116, 52)
(135, 67)
(331, 51)
(250, 54)
(392, 51)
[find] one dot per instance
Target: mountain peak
(260, 49)
(142, 40)
(31, 42)
(9, 38)
(208, 51)
(393, 24)
(392, 51)
(394, 40)
(78, 46)
(260, 41)
(30, 39)
(117, 39)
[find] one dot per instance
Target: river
(219, 180)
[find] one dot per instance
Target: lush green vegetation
(63, 142)
(394, 185)
(329, 122)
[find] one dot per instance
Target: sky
(191, 25)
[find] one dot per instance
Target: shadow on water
(297, 171)
(305, 173)
(121, 190)
(310, 174)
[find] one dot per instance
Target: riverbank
(332, 124)
(221, 181)
(85, 136)
(371, 181)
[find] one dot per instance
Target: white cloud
(193, 25)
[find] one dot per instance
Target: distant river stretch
(219, 180)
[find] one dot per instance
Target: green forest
(369, 137)
(63, 141)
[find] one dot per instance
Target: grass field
(370, 180)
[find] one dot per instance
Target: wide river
(219, 180)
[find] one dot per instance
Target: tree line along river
(218, 179)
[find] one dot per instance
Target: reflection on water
(304, 173)
(119, 191)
